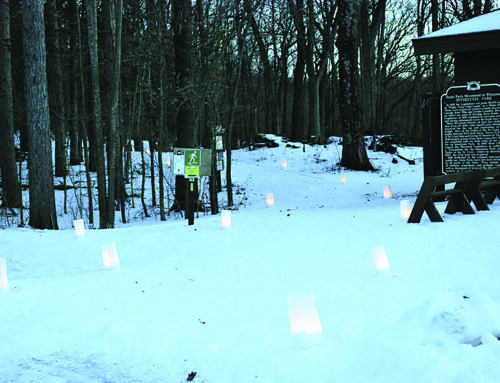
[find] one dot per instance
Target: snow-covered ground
(207, 303)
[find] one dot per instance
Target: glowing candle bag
(270, 199)
(79, 227)
(305, 325)
(226, 218)
(387, 192)
(405, 209)
(379, 258)
(4, 283)
(284, 165)
(110, 256)
(343, 180)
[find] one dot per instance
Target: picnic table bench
(491, 185)
(480, 187)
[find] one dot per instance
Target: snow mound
(454, 317)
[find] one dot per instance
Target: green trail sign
(192, 163)
(192, 157)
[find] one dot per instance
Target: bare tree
(41, 181)
(55, 86)
(182, 25)
(372, 17)
(97, 135)
(271, 113)
(467, 9)
(162, 123)
(241, 28)
(317, 63)
(298, 123)
(113, 20)
(11, 191)
(354, 154)
(74, 84)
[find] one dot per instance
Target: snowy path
(213, 301)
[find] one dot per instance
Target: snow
(206, 303)
(484, 23)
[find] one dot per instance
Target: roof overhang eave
(466, 42)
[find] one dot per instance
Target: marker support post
(189, 200)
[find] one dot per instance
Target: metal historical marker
(470, 127)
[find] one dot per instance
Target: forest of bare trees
(99, 77)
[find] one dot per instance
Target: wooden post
(189, 201)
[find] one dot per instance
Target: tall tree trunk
(420, 26)
(18, 76)
(209, 103)
(298, 125)
(76, 155)
(312, 79)
(184, 122)
(183, 50)
(113, 21)
(284, 89)
(41, 181)
(271, 116)
(469, 10)
(354, 154)
(241, 33)
(96, 111)
(55, 87)
(436, 58)
(162, 126)
(11, 190)
(151, 153)
(143, 161)
(367, 69)
(370, 24)
(82, 121)
(380, 78)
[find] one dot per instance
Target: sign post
(189, 200)
(219, 156)
(191, 164)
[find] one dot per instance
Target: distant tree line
(96, 76)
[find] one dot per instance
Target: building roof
(480, 33)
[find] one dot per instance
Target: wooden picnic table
(480, 187)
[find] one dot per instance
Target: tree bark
(73, 15)
(183, 50)
(370, 23)
(80, 118)
(184, 122)
(354, 154)
(436, 58)
(11, 190)
(162, 124)
(17, 67)
(241, 33)
(315, 76)
(298, 125)
(314, 131)
(271, 114)
(113, 22)
(96, 111)
(41, 181)
(55, 87)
